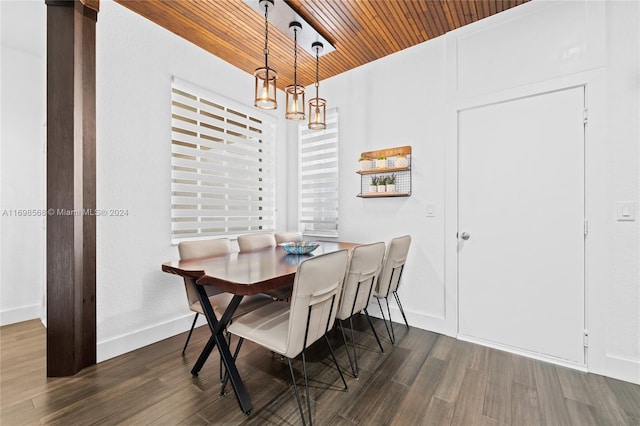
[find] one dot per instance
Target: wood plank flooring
(425, 379)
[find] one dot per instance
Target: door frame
(596, 211)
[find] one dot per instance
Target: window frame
(222, 164)
(329, 139)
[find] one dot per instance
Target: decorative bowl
(299, 247)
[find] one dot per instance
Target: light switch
(431, 210)
(626, 211)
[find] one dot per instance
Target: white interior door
(521, 202)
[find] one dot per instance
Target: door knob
(465, 235)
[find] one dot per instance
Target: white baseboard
(419, 320)
(116, 346)
(21, 314)
(522, 352)
(621, 369)
(617, 368)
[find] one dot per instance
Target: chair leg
(306, 386)
(374, 331)
(326, 339)
(353, 369)
(393, 334)
(190, 331)
(295, 389)
(385, 321)
(353, 343)
(395, 293)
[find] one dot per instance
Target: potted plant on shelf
(391, 183)
(365, 164)
(374, 184)
(382, 184)
(401, 161)
(381, 162)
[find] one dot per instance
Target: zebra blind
(222, 165)
(318, 171)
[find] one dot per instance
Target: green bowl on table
(299, 247)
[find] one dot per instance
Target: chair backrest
(314, 301)
(286, 237)
(204, 248)
(360, 278)
(198, 249)
(392, 266)
(253, 242)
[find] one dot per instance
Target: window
(318, 171)
(222, 165)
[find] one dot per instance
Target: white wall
(137, 303)
(396, 101)
(620, 290)
(412, 98)
(22, 238)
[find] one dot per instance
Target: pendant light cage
(265, 89)
(295, 104)
(317, 105)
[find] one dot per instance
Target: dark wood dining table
(241, 274)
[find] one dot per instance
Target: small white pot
(366, 164)
(402, 162)
(391, 187)
(382, 188)
(373, 188)
(381, 164)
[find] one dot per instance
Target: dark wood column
(71, 187)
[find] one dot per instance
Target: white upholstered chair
(253, 242)
(286, 237)
(260, 241)
(219, 300)
(389, 278)
(289, 328)
(360, 279)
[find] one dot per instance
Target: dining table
(241, 274)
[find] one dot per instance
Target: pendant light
(295, 92)
(265, 96)
(317, 105)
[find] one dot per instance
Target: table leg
(216, 327)
(234, 376)
(203, 356)
(217, 339)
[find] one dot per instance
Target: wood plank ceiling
(361, 30)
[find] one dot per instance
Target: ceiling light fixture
(317, 105)
(265, 96)
(282, 15)
(295, 92)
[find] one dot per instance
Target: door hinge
(585, 339)
(585, 115)
(586, 227)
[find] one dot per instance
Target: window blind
(318, 178)
(222, 165)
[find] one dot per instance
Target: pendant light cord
(317, 72)
(295, 58)
(266, 38)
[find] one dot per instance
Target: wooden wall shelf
(374, 171)
(402, 174)
(388, 152)
(383, 194)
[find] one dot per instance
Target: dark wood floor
(425, 379)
